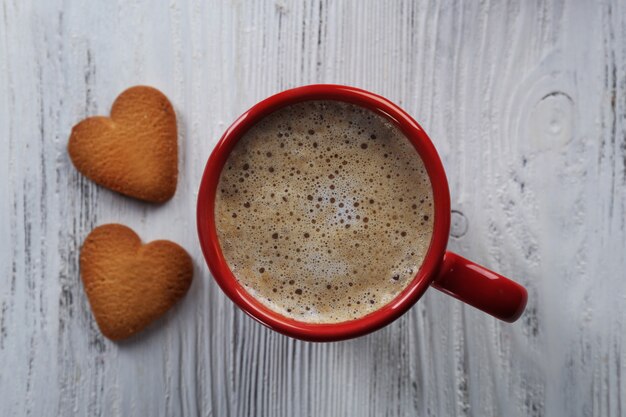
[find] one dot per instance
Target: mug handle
(481, 288)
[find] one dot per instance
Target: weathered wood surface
(526, 102)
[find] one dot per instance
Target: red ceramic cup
(441, 269)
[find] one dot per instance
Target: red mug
(441, 269)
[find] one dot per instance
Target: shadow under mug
(441, 269)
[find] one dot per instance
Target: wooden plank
(526, 103)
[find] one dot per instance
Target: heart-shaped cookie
(133, 152)
(128, 284)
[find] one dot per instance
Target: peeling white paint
(525, 102)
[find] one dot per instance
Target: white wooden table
(526, 103)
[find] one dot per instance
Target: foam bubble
(324, 211)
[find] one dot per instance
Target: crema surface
(324, 211)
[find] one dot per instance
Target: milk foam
(324, 211)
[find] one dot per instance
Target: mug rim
(227, 281)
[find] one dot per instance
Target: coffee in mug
(324, 211)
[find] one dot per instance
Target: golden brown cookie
(128, 284)
(133, 152)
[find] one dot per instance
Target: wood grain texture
(526, 103)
